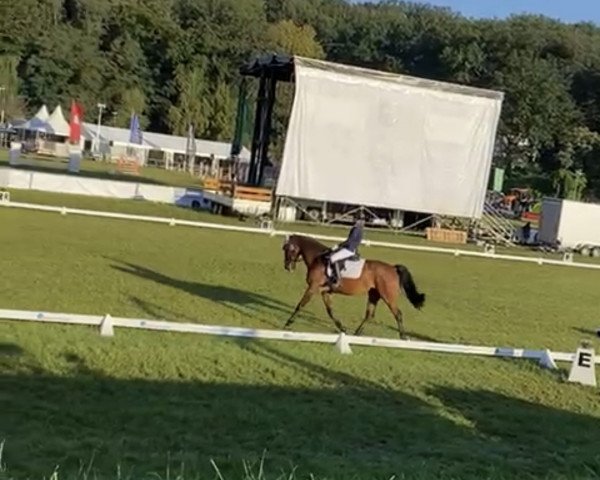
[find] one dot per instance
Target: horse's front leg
(327, 301)
(308, 294)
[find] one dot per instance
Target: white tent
(161, 141)
(38, 123)
(370, 138)
(57, 125)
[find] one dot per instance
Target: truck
(569, 225)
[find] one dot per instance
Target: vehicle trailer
(568, 225)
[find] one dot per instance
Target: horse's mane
(309, 241)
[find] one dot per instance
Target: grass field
(160, 176)
(143, 400)
(171, 211)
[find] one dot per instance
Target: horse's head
(291, 253)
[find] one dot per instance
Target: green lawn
(145, 400)
(170, 211)
(160, 176)
(103, 170)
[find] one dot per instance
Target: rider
(346, 249)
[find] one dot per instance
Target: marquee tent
(57, 124)
(38, 123)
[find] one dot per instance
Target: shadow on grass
(10, 349)
(588, 331)
(8, 353)
(348, 428)
(156, 311)
(14, 359)
(241, 301)
(542, 441)
(217, 293)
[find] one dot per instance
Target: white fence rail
(273, 232)
(106, 323)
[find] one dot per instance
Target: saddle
(350, 267)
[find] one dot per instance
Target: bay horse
(379, 280)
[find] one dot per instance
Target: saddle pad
(350, 268)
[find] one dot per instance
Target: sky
(565, 10)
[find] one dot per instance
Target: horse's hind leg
(401, 331)
(327, 301)
(308, 294)
(370, 313)
(390, 301)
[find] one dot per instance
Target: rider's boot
(335, 280)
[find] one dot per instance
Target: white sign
(15, 153)
(370, 138)
(583, 368)
(74, 158)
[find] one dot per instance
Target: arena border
(273, 232)
(106, 324)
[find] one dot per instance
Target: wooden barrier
(443, 235)
(211, 184)
(241, 192)
(128, 166)
(253, 193)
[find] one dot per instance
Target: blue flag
(135, 133)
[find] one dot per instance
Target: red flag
(75, 123)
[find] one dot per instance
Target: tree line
(176, 62)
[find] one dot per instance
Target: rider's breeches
(341, 254)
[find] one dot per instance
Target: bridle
(292, 254)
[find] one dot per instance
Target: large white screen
(375, 139)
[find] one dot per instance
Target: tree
(586, 92)
(570, 185)
(537, 109)
(374, 36)
(224, 32)
(47, 70)
(132, 100)
(10, 101)
(176, 61)
(287, 37)
(579, 152)
(19, 26)
(125, 75)
(192, 104)
(221, 123)
(463, 58)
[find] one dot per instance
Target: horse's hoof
(404, 337)
(358, 333)
(287, 326)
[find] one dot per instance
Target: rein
(306, 245)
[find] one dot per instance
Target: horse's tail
(408, 284)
